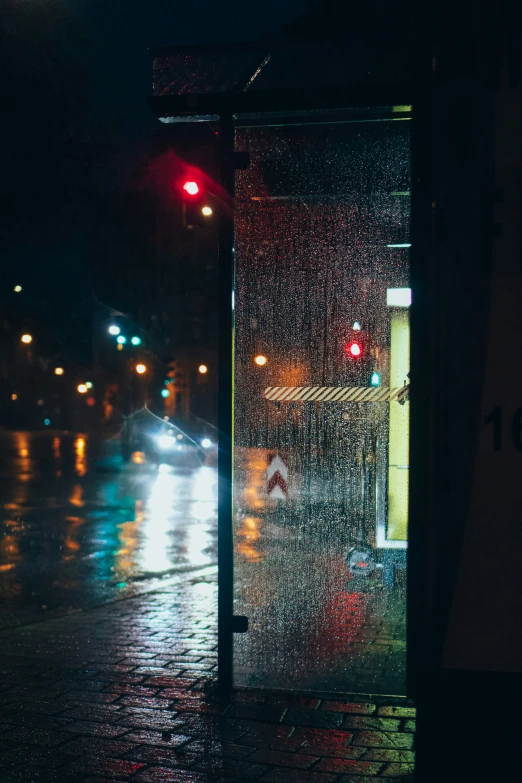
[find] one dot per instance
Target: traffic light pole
(225, 408)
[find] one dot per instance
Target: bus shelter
(369, 532)
(315, 246)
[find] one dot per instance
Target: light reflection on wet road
(77, 525)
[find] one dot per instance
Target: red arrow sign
(277, 474)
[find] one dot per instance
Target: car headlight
(166, 442)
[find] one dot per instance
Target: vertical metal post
(423, 372)
(225, 408)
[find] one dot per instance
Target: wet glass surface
(321, 406)
(78, 525)
(188, 72)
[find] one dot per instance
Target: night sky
(76, 75)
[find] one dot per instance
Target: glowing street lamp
(17, 289)
(140, 369)
(82, 388)
(88, 384)
(113, 329)
(59, 371)
(207, 211)
(202, 369)
(27, 338)
(260, 360)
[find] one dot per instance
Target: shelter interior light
(398, 297)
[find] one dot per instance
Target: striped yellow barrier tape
(336, 393)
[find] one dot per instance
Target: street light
(260, 360)
(113, 329)
(27, 338)
(140, 369)
(82, 388)
(88, 384)
(207, 211)
(203, 369)
(17, 289)
(59, 371)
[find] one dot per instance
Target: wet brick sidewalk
(121, 692)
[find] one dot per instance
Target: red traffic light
(191, 187)
(354, 350)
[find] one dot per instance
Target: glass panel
(321, 406)
(207, 71)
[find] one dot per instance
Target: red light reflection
(355, 350)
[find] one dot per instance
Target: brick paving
(123, 692)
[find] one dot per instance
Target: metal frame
(225, 409)
(205, 107)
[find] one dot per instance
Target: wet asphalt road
(79, 527)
